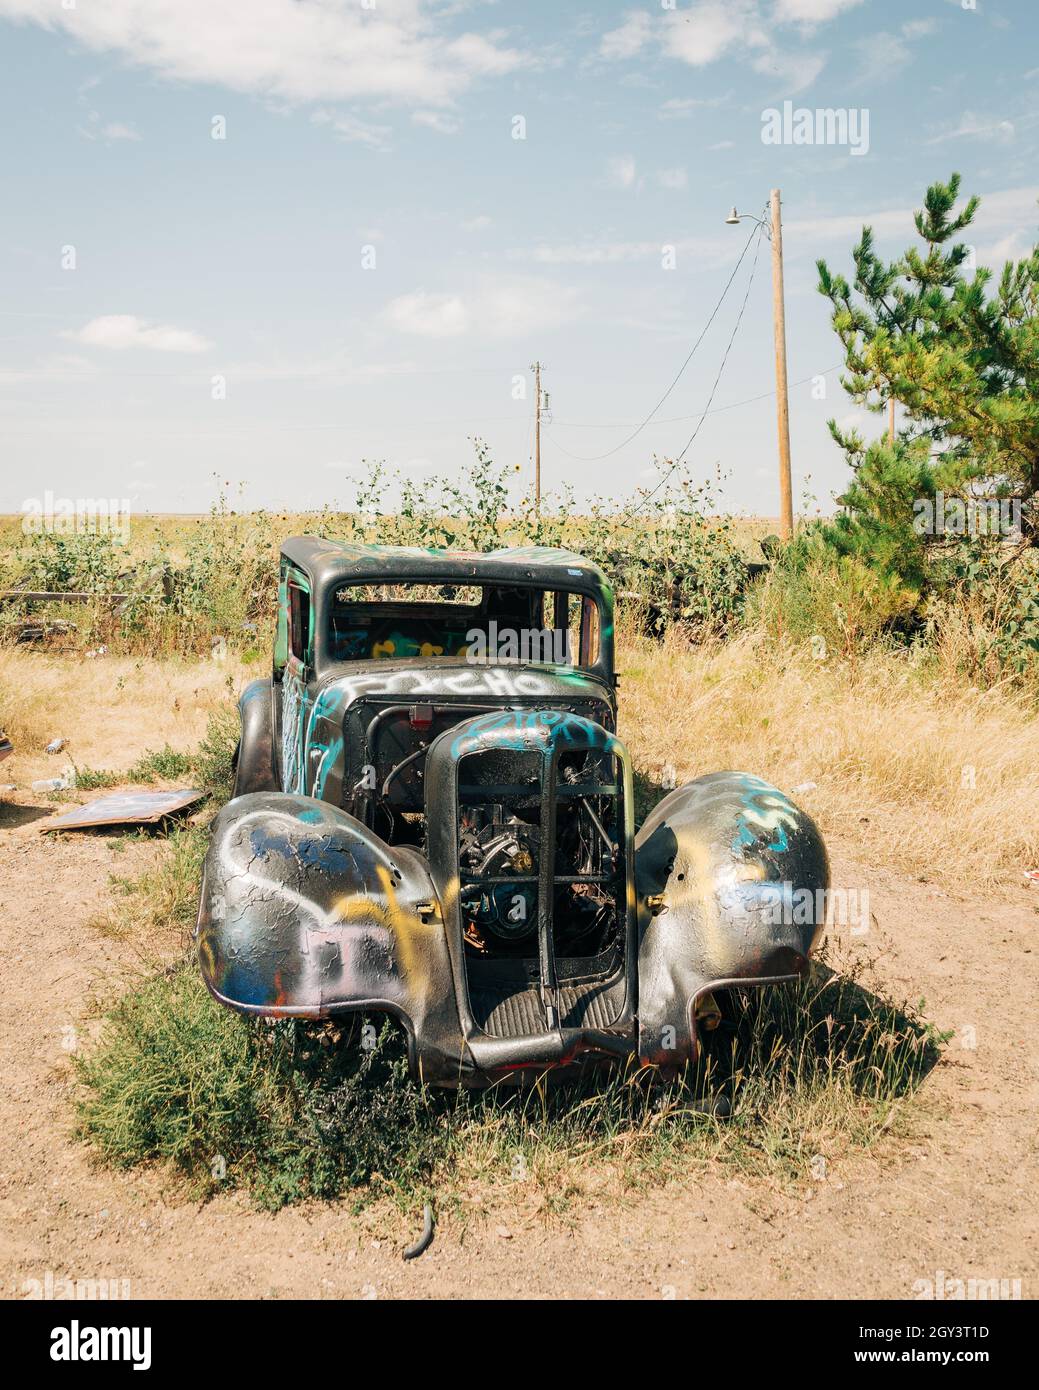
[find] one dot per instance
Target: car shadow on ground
(830, 1018)
(648, 792)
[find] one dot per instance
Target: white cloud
(621, 172)
(812, 11)
(685, 106)
(1010, 205)
(296, 50)
(493, 308)
(480, 223)
(121, 331)
(883, 55)
(700, 35)
(428, 315)
(629, 39)
(706, 250)
(977, 127)
(56, 367)
(352, 129)
(1012, 247)
(712, 29)
(593, 252)
(1003, 208)
(673, 178)
(848, 226)
(338, 366)
(436, 120)
(793, 71)
(115, 130)
(919, 28)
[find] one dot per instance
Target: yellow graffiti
(389, 648)
(400, 921)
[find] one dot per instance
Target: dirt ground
(956, 1196)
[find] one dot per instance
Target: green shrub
(162, 764)
(221, 1098)
(289, 1110)
(213, 765)
(836, 602)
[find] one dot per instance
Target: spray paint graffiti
(308, 911)
(764, 812)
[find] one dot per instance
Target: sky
(261, 243)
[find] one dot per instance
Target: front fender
(306, 913)
(719, 867)
(255, 767)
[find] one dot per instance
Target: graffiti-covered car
(434, 819)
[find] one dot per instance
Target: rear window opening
(490, 624)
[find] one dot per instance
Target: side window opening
(564, 628)
(299, 622)
(589, 632)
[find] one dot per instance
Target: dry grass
(297, 1111)
(890, 747)
(110, 709)
(892, 750)
(176, 1079)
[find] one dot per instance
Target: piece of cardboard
(125, 808)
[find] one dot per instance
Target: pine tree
(963, 364)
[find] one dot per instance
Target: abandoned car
(434, 819)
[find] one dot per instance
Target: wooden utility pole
(537, 438)
(786, 500)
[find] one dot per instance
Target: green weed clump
(190, 588)
(225, 1101)
(289, 1111)
(211, 767)
(162, 764)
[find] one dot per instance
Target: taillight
(420, 717)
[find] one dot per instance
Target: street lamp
(735, 218)
(774, 229)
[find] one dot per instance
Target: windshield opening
(479, 623)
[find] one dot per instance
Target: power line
(681, 419)
(594, 458)
(717, 379)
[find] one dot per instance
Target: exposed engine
(498, 853)
(493, 850)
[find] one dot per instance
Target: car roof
(330, 561)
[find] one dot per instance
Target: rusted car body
(434, 819)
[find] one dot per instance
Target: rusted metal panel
(717, 864)
(125, 808)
